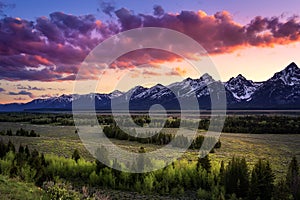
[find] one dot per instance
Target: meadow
(63, 140)
(58, 141)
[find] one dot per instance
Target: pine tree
(9, 132)
(27, 152)
(75, 155)
(3, 149)
(262, 181)
(222, 173)
(11, 147)
(102, 160)
(21, 149)
(293, 178)
(236, 177)
(281, 191)
(204, 162)
(141, 160)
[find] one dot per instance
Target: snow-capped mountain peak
(115, 94)
(240, 87)
(280, 91)
(206, 78)
(289, 76)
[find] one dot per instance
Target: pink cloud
(52, 48)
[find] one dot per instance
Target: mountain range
(281, 91)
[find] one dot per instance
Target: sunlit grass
(62, 141)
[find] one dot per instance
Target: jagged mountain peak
(240, 87)
(239, 79)
(240, 76)
(206, 78)
(288, 76)
(292, 66)
(158, 86)
(282, 90)
(115, 93)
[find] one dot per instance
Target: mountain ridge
(281, 91)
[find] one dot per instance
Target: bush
(60, 191)
(203, 194)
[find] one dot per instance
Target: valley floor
(62, 141)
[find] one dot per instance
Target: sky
(43, 44)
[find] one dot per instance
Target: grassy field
(14, 189)
(62, 140)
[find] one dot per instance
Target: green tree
(262, 181)
(141, 159)
(236, 177)
(293, 179)
(204, 162)
(101, 159)
(76, 155)
(222, 173)
(281, 191)
(11, 147)
(9, 132)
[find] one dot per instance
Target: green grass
(14, 189)
(62, 141)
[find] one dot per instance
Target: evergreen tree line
(257, 124)
(233, 180)
(262, 124)
(20, 132)
(160, 138)
(38, 118)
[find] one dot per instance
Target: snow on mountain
(280, 91)
(189, 87)
(132, 93)
(289, 76)
(241, 88)
(115, 94)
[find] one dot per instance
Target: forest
(256, 124)
(62, 178)
(160, 138)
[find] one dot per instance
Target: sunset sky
(43, 43)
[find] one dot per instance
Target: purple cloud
(52, 48)
(22, 92)
(28, 87)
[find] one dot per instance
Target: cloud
(4, 6)
(53, 48)
(158, 10)
(45, 96)
(219, 33)
(50, 49)
(28, 87)
(20, 99)
(107, 7)
(128, 19)
(177, 71)
(150, 73)
(2, 89)
(144, 58)
(22, 92)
